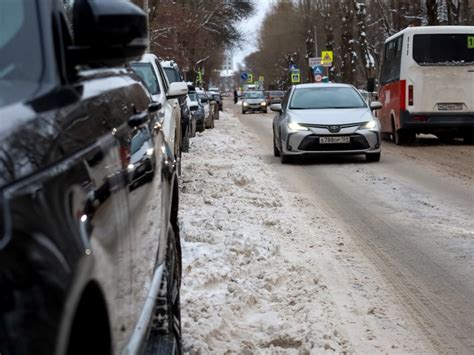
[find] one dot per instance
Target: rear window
(326, 97)
(443, 49)
(172, 74)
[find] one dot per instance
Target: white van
(427, 83)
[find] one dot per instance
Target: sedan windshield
(254, 95)
(326, 97)
(20, 77)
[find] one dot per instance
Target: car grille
(311, 143)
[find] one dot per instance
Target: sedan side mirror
(176, 90)
(276, 107)
(107, 32)
(375, 105)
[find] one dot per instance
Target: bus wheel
(468, 138)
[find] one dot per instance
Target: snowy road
(327, 254)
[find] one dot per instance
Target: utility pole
(146, 8)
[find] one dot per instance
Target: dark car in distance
(89, 246)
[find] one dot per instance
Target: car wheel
(372, 157)
(212, 122)
(284, 158)
(186, 140)
(243, 112)
(217, 115)
(265, 111)
(276, 152)
(468, 138)
(165, 334)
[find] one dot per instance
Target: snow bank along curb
(255, 274)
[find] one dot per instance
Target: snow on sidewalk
(257, 278)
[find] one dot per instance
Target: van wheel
(400, 136)
(468, 138)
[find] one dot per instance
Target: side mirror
(276, 107)
(154, 107)
(107, 32)
(375, 105)
(371, 85)
(176, 90)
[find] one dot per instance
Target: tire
(265, 111)
(372, 157)
(165, 333)
(212, 122)
(400, 136)
(243, 112)
(186, 140)
(285, 159)
(468, 138)
(276, 152)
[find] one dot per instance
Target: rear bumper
(426, 122)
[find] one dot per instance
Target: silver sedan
(325, 119)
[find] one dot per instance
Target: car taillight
(420, 118)
(410, 95)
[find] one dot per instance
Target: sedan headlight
(294, 126)
(245, 104)
(369, 125)
(263, 103)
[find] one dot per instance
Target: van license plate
(450, 107)
(334, 140)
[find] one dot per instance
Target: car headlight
(263, 103)
(130, 167)
(245, 104)
(369, 125)
(150, 151)
(294, 126)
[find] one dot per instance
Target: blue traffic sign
(292, 67)
(318, 70)
(244, 76)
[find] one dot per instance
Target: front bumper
(308, 142)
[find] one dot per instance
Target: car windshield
(20, 76)
(277, 93)
(172, 74)
(254, 95)
(202, 96)
(192, 96)
(326, 97)
(146, 73)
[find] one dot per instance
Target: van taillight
(410, 95)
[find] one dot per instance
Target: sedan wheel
(276, 152)
(372, 157)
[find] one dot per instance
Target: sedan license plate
(450, 107)
(334, 140)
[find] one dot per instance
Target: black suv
(90, 256)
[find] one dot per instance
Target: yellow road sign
(250, 79)
(326, 57)
(295, 78)
(261, 78)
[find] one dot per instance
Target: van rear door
(442, 73)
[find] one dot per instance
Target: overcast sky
(250, 28)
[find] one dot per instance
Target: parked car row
(90, 256)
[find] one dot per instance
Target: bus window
(442, 49)
(392, 61)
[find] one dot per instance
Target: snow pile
(258, 278)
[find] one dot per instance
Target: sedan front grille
(311, 143)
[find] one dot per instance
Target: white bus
(427, 83)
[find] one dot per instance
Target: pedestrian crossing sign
(295, 78)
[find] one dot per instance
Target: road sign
(295, 77)
(250, 79)
(314, 61)
(318, 69)
(470, 42)
(292, 67)
(326, 58)
(261, 78)
(318, 78)
(244, 76)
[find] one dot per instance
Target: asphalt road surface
(411, 214)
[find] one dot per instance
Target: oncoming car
(253, 101)
(325, 119)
